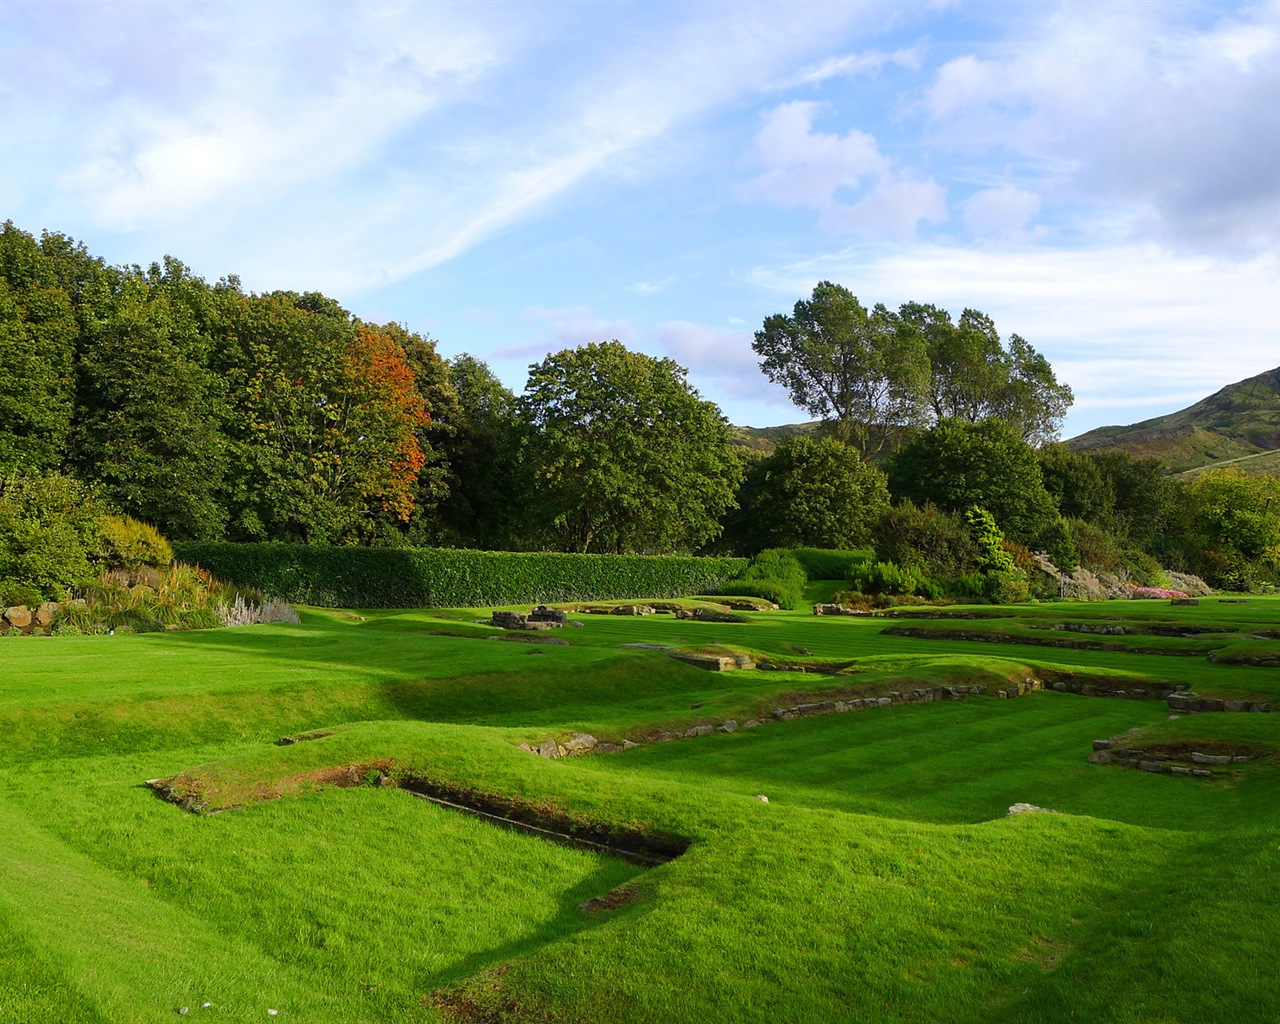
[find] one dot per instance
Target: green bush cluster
(830, 563)
(776, 575)
(350, 577)
(125, 543)
(889, 578)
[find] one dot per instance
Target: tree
(811, 493)
(623, 455)
(956, 465)
(1078, 484)
(37, 357)
(485, 506)
(324, 439)
(149, 414)
(1230, 529)
(864, 371)
(973, 376)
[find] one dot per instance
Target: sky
(513, 179)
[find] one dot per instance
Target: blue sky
(513, 179)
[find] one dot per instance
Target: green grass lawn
(881, 881)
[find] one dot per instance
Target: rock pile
(539, 618)
(21, 617)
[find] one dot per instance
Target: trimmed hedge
(830, 563)
(350, 577)
(774, 574)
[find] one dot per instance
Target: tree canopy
(864, 371)
(811, 492)
(623, 455)
(870, 373)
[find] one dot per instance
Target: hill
(1234, 425)
(766, 439)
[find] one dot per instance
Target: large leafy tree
(956, 465)
(149, 413)
(37, 356)
(482, 451)
(623, 455)
(974, 376)
(864, 371)
(325, 432)
(810, 492)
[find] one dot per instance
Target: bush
(768, 590)
(830, 563)
(125, 543)
(349, 577)
(939, 545)
(14, 593)
(779, 571)
(49, 527)
(888, 578)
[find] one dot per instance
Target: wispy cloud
(816, 170)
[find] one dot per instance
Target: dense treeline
(218, 415)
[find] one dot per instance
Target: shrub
(830, 563)
(938, 544)
(125, 543)
(769, 590)
(49, 527)
(350, 577)
(780, 571)
(14, 593)
(888, 578)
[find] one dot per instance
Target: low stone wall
(1191, 703)
(585, 743)
(1193, 764)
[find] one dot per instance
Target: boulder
(509, 620)
(18, 615)
(544, 614)
(580, 743)
(45, 613)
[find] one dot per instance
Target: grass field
(880, 882)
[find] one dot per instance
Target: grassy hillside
(766, 439)
(1240, 421)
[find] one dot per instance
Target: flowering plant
(1165, 592)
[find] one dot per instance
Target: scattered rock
(509, 620)
(547, 748)
(832, 609)
(553, 615)
(1023, 808)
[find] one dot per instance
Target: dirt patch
(614, 899)
(481, 1002)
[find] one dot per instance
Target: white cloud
(816, 171)
(868, 62)
(1002, 212)
(1127, 326)
(722, 365)
(1138, 110)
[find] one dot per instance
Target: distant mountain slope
(1240, 421)
(766, 439)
